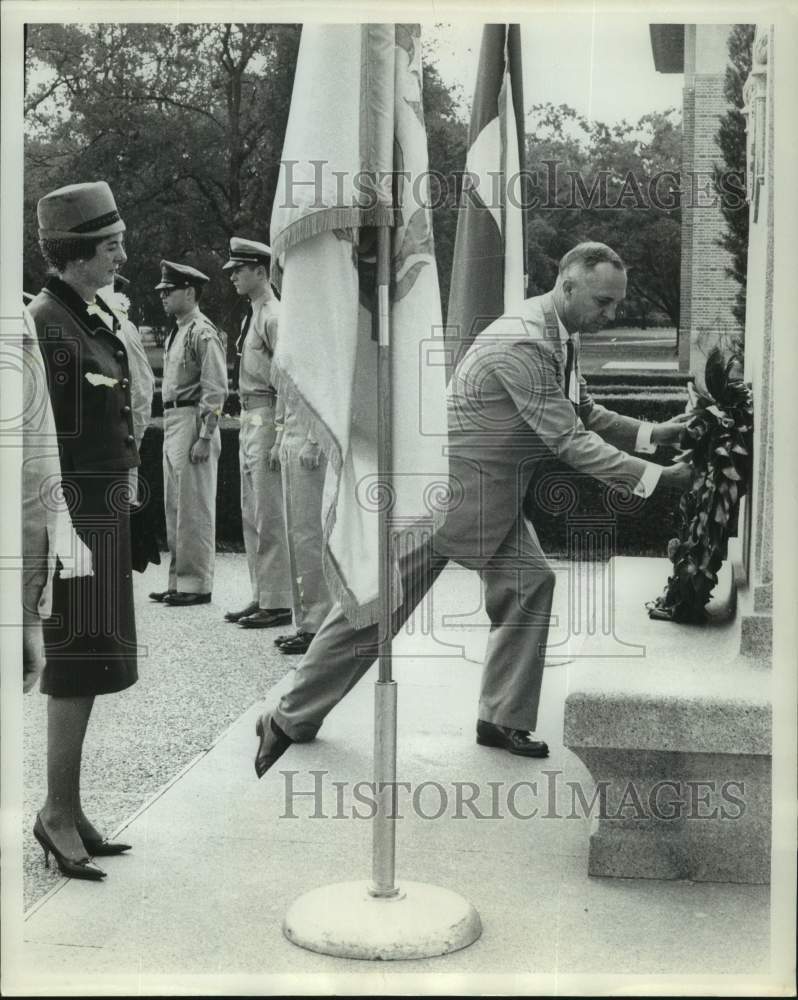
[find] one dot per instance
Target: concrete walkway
(218, 857)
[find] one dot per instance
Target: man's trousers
(262, 510)
(189, 502)
(519, 586)
(302, 495)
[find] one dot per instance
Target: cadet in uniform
(194, 390)
(303, 467)
(261, 482)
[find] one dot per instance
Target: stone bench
(677, 740)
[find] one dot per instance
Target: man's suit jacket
(507, 411)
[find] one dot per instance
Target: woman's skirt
(90, 640)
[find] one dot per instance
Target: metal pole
(384, 828)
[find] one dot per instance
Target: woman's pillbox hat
(79, 211)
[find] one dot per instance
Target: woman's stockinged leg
(67, 719)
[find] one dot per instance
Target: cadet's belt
(255, 400)
(181, 402)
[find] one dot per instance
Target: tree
(618, 184)
(731, 140)
(185, 122)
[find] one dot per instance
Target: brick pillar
(708, 293)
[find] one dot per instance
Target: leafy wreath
(717, 445)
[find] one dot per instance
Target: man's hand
(274, 457)
(669, 432)
(677, 477)
(200, 451)
(309, 455)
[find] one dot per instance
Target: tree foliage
(185, 122)
(731, 140)
(618, 184)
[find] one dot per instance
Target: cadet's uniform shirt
(195, 368)
(142, 379)
(258, 348)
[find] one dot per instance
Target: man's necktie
(244, 330)
(571, 386)
(171, 336)
(240, 345)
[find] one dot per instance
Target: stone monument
(678, 742)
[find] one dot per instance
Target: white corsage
(94, 310)
(96, 379)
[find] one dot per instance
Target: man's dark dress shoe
(236, 616)
(272, 743)
(517, 741)
(161, 595)
(298, 643)
(266, 618)
(180, 599)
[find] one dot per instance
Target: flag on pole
(489, 266)
(355, 158)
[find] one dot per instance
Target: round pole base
(345, 920)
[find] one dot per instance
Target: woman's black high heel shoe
(72, 869)
(104, 848)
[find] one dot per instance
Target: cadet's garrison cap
(79, 211)
(246, 252)
(180, 276)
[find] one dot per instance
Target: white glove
(75, 556)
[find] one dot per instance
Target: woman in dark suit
(90, 640)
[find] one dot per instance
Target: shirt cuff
(649, 480)
(643, 443)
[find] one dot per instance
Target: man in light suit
(516, 397)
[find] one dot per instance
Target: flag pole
(385, 696)
(380, 919)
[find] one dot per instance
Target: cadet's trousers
(519, 585)
(302, 494)
(189, 502)
(262, 510)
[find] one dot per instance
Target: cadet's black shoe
(296, 644)
(266, 618)
(180, 599)
(236, 616)
(517, 741)
(272, 743)
(161, 595)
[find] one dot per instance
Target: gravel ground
(197, 675)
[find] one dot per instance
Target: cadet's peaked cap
(246, 252)
(79, 211)
(180, 276)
